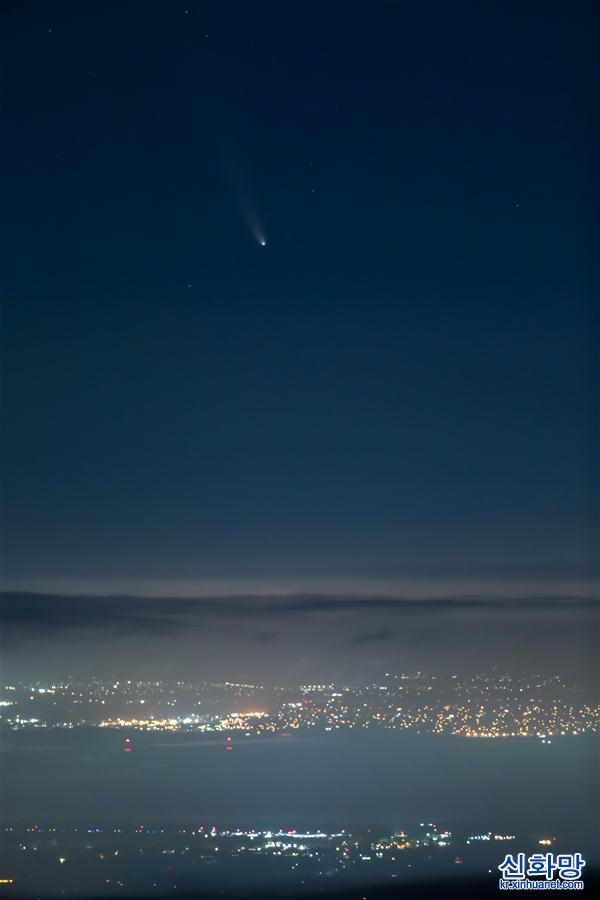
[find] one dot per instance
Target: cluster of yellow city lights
(142, 724)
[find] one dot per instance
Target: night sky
(299, 301)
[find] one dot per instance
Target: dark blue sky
(398, 388)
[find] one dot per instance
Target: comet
(250, 217)
(244, 199)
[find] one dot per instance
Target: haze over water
(309, 780)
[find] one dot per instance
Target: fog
(390, 779)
